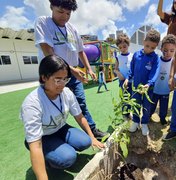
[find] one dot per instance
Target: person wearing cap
(55, 35)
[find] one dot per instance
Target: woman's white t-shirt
(41, 117)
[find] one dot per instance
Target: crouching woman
(44, 113)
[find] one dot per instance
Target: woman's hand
(98, 144)
(81, 120)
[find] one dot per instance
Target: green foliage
(121, 137)
(119, 123)
(126, 99)
(142, 90)
(105, 138)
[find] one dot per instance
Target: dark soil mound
(149, 157)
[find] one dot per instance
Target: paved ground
(17, 86)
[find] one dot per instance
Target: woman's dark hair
(50, 65)
(66, 4)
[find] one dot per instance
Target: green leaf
(120, 93)
(105, 138)
(148, 98)
(124, 149)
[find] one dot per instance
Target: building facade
(18, 56)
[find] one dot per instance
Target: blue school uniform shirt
(144, 68)
(161, 85)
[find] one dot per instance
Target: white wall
(11, 71)
(26, 48)
(17, 70)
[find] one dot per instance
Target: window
(142, 28)
(26, 60)
(148, 28)
(30, 60)
(34, 59)
(5, 60)
(140, 38)
(133, 38)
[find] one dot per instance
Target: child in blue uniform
(168, 48)
(122, 64)
(144, 69)
(101, 79)
(172, 84)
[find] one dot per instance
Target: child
(168, 48)
(101, 79)
(122, 64)
(172, 84)
(144, 69)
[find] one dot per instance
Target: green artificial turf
(14, 158)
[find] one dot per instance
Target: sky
(95, 17)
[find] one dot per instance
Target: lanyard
(60, 109)
(64, 35)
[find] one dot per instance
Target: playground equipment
(100, 53)
(93, 53)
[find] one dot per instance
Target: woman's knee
(84, 143)
(61, 160)
(78, 139)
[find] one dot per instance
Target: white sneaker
(145, 130)
(134, 126)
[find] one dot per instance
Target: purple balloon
(93, 53)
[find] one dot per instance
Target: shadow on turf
(55, 174)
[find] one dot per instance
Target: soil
(149, 157)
